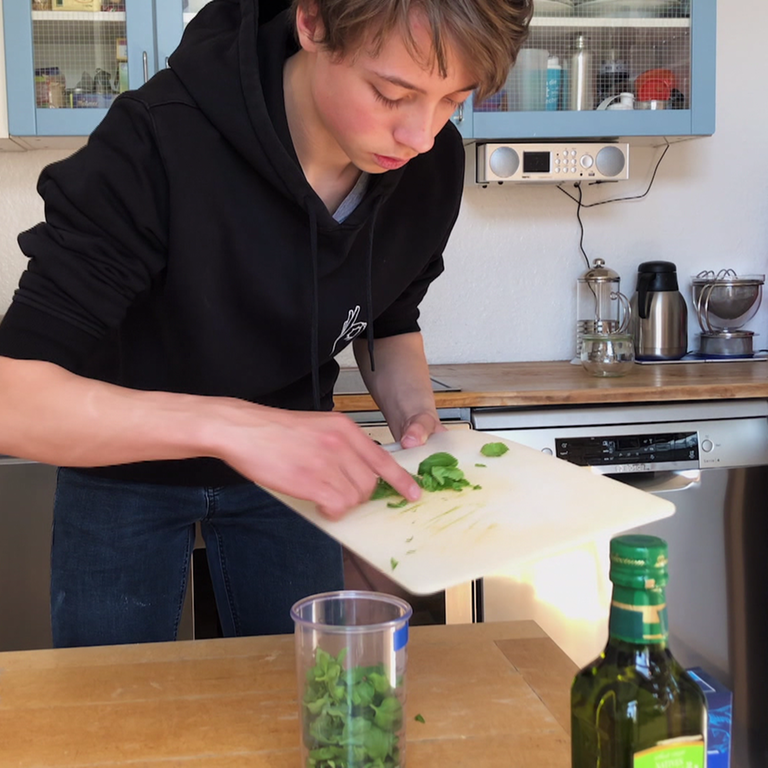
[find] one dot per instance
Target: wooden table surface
(492, 695)
(560, 383)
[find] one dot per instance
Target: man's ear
(309, 26)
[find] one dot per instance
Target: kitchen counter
(492, 696)
(561, 383)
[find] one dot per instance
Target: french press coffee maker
(601, 307)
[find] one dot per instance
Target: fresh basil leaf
(494, 449)
(441, 459)
(389, 714)
(382, 490)
(429, 483)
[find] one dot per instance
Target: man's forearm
(401, 385)
(51, 415)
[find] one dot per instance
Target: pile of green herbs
(351, 716)
(438, 472)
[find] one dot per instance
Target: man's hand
(401, 387)
(321, 457)
(417, 430)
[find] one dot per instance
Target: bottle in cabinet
(581, 87)
(635, 706)
(554, 78)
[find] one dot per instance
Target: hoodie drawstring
(315, 345)
(369, 286)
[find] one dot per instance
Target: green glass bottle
(635, 706)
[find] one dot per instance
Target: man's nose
(417, 131)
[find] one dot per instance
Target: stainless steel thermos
(659, 322)
(581, 88)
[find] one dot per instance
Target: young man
(277, 193)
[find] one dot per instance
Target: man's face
(380, 112)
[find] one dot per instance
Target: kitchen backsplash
(509, 289)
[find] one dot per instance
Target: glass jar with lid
(601, 307)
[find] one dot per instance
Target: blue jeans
(121, 552)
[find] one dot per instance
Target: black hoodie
(184, 250)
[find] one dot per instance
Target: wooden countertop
(560, 383)
(492, 696)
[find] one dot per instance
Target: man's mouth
(390, 163)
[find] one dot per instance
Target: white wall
(509, 291)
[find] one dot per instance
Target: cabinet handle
(460, 113)
(145, 60)
(166, 61)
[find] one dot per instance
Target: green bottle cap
(639, 562)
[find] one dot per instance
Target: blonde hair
(486, 34)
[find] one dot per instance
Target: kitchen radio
(552, 162)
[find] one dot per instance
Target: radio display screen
(668, 448)
(536, 162)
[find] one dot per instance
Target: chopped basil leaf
(494, 449)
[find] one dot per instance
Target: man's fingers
(400, 480)
(419, 429)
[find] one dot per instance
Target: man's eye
(384, 100)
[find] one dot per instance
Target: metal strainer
(725, 301)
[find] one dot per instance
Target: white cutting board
(529, 505)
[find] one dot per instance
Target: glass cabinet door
(69, 59)
(608, 68)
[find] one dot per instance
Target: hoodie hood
(217, 63)
(220, 61)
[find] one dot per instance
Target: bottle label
(639, 616)
(687, 752)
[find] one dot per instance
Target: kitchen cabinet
(6, 143)
(639, 46)
(65, 67)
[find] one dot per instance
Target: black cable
(579, 206)
(580, 200)
(615, 199)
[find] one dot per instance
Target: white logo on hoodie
(351, 328)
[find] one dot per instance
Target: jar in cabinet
(50, 87)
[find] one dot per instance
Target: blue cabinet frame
(24, 117)
(699, 120)
(169, 27)
(154, 28)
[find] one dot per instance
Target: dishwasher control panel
(631, 453)
(642, 438)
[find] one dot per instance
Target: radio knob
(610, 161)
(504, 161)
(587, 161)
(546, 451)
(706, 446)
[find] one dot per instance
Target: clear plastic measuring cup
(351, 653)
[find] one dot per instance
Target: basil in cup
(351, 652)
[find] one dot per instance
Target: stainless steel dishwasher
(26, 515)
(710, 459)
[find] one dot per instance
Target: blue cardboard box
(720, 711)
